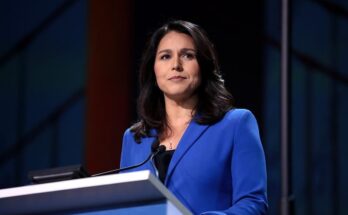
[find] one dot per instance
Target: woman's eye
(165, 57)
(189, 56)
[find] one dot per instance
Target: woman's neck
(179, 115)
(179, 112)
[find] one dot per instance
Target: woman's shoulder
(237, 114)
(240, 120)
(130, 133)
(237, 117)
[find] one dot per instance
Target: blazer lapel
(192, 133)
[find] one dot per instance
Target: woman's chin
(180, 97)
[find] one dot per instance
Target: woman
(214, 162)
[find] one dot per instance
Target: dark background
(68, 84)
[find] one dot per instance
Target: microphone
(155, 149)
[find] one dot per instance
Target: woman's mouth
(177, 78)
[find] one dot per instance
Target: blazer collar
(192, 133)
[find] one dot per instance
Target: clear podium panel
(153, 208)
(136, 192)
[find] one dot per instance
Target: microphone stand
(160, 148)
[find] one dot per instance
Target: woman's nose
(177, 65)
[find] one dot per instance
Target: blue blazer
(216, 169)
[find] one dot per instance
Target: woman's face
(176, 67)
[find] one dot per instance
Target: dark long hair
(213, 98)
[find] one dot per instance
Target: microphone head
(161, 148)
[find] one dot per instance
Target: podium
(127, 193)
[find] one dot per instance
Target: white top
(114, 189)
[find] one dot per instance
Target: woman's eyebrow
(164, 50)
(188, 49)
(181, 50)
